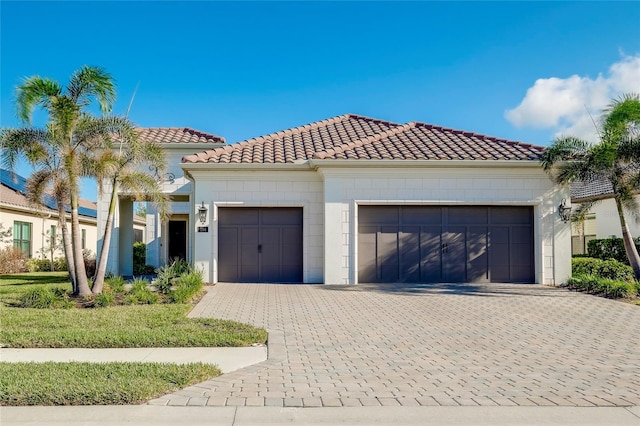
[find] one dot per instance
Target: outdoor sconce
(564, 211)
(202, 213)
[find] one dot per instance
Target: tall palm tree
(121, 162)
(70, 130)
(615, 159)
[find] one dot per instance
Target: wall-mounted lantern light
(202, 213)
(564, 211)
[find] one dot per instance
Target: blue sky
(244, 69)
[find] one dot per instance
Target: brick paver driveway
(426, 345)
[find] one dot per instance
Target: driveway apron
(456, 345)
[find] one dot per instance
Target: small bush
(60, 264)
(39, 265)
(116, 284)
(13, 261)
(104, 299)
(188, 285)
(39, 298)
(142, 293)
(614, 289)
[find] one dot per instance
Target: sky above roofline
(523, 71)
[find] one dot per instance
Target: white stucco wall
(345, 188)
(40, 227)
(330, 196)
(608, 222)
(243, 188)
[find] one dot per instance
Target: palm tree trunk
(629, 246)
(101, 267)
(76, 239)
(66, 246)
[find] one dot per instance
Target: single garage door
(260, 244)
(445, 244)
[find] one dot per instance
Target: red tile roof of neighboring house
(591, 190)
(178, 135)
(361, 138)
(298, 143)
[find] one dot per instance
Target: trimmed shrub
(614, 289)
(39, 265)
(609, 268)
(60, 264)
(610, 248)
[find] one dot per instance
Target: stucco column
(125, 233)
(333, 256)
(203, 247)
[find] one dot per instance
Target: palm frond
(92, 82)
(563, 149)
(32, 92)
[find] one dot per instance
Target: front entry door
(177, 240)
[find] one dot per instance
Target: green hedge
(610, 269)
(610, 288)
(610, 248)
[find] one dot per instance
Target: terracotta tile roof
(361, 138)
(420, 141)
(178, 135)
(298, 143)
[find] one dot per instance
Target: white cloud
(564, 104)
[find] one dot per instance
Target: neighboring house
(353, 199)
(603, 222)
(32, 226)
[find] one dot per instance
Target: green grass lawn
(77, 383)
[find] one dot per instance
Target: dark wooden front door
(177, 240)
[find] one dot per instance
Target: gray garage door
(445, 244)
(260, 244)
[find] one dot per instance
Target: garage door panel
(388, 253)
(228, 251)
(499, 257)
(238, 216)
(468, 215)
(431, 249)
(477, 258)
(421, 215)
(514, 215)
(249, 256)
(454, 267)
(410, 254)
(379, 215)
(367, 262)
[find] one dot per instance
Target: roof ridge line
(364, 141)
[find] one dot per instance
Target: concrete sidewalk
(227, 359)
(242, 416)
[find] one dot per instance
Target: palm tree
(122, 165)
(70, 129)
(40, 149)
(615, 160)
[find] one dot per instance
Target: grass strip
(81, 383)
(121, 327)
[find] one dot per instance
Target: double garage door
(429, 244)
(260, 244)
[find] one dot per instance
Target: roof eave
(300, 165)
(424, 163)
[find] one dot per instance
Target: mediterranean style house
(32, 227)
(353, 199)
